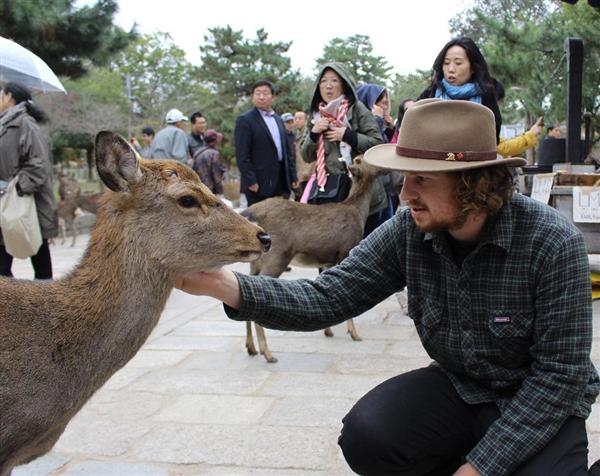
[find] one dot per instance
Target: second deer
(317, 236)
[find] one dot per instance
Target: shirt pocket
(510, 337)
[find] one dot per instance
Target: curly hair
(483, 190)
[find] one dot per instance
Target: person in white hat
(498, 288)
(171, 142)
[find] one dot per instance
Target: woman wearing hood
(377, 100)
(342, 128)
(24, 153)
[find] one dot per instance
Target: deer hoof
(355, 336)
(328, 332)
(251, 351)
(270, 359)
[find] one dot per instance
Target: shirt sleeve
(180, 147)
(367, 276)
(367, 132)
(308, 145)
(217, 173)
(243, 145)
(562, 338)
(517, 145)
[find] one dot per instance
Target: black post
(574, 48)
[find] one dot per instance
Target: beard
(432, 224)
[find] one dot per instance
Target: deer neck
(360, 196)
(121, 291)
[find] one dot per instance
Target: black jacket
(256, 154)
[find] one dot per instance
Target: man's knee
(368, 449)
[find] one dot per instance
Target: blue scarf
(468, 91)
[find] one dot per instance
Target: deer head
(164, 211)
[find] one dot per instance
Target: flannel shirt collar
(498, 231)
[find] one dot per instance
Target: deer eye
(187, 201)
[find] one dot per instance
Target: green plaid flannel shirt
(511, 325)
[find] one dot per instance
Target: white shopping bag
(19, 223)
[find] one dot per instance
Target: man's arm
(560, 370)
(370, 274)
(291, 160)
(180, 146)
(518, 145)
(243, 148)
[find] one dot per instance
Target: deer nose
(265, 241)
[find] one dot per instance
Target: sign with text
(586, 204)
(542, 185)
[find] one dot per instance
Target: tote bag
(19, 222)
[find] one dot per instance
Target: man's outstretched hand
(220, 284)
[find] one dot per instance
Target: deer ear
(116, 162)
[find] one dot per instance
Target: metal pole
(574, 49)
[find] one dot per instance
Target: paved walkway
(192, 402)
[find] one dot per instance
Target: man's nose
(406, 193)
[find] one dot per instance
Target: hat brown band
(437, 155)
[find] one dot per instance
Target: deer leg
(262, 344)
(249, 340)
(69, 226)
(74, 232)
(63, 233)
(352, 330)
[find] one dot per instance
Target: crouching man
(499, 291)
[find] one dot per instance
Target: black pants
(281, 189)
(42, 264)
(416, 424)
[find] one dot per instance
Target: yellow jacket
(517, 145)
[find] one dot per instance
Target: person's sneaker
(594, 469)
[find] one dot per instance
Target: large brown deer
(318, 236)
(61, 340)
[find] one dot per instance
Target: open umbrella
(22, 66)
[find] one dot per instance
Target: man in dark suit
(261, 149)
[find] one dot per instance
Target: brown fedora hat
(442, 136)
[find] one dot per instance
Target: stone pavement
(192, 402)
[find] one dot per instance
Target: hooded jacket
(23, 152)
(363, 133)
(368, 94)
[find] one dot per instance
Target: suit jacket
(256, 154)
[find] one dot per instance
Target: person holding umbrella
(23, 153)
